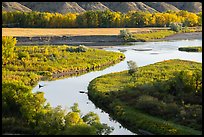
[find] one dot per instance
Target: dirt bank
(94, 40)
(194, 35)
(97, 40)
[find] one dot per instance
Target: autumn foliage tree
(100, 19)
(8, 44)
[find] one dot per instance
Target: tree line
(101, 19)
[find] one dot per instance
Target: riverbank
(95, 40)
(184, 36)
(158, 109)
(57, 92)
(23, 72)
(94, 37)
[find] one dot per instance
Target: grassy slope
(106, 92)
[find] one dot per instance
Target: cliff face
(124, 7)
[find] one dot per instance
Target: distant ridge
(124, 7)
(161, 6)
(60, 7)
(14, 6)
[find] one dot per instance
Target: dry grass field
(32, 32)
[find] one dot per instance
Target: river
(65, 92)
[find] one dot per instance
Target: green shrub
(132, 67)
(191, 49)
(150, 104)
(126, 35)
(22, 55)
(176, 27)
(8, 45)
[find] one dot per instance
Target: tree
(133, 68)
(91, 118)
(191, 20)
(176, 27)
(199, 18)
(8, 44)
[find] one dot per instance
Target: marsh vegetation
(163, 98)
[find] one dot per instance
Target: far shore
(40, 32)
(93, 37)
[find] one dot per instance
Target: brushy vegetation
(157, 34)
(24, 112)
(176, 27)
(100, 19)
(165, 97)
(191, 49)
(191, 29)
(147, 36)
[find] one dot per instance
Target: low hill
(189, 6)
(124, 7)
(14, 6)
(93, 6)
(143, 7)
(60, 7)
(161, 6)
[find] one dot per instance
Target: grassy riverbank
(191, 49)
(96, 36)
(24, 112)
(152, 35)
(162, 98)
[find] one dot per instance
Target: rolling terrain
(124, 7)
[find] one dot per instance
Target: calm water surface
(65, 92)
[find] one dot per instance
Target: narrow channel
(65, 92)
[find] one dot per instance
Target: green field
(152, 35)
(164, 98)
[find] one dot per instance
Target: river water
(65, 92)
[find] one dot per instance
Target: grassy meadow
(164, 98)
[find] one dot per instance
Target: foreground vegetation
(191, 49)
(100, 19)
(25, 112)
(162, 98)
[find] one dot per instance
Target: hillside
(92, 6)
(161, 6)
(143, 7)
(189, 6)
(14, 6)
(124, 7)
(61, 7)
